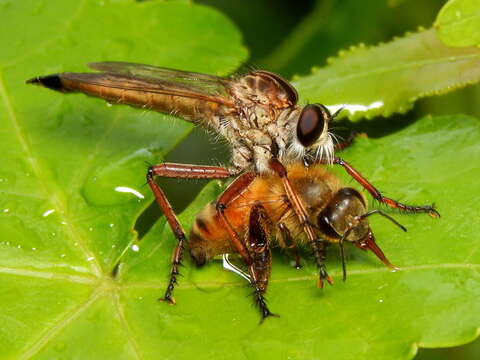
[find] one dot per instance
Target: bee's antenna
(380, 212)
(342, 253)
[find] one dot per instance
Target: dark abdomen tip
(53, 82)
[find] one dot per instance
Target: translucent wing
(175, 80)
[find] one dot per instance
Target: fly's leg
(171, 170)
(345, 144)
(299, 208)
(286, 241)
(430, 209)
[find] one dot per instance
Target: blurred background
(289, 38)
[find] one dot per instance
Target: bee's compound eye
(313, 121)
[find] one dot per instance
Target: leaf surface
(64, 221)
(389, 78)
(61, 155)
(458, 23)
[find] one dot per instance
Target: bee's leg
(430, 209)
(299, 209)
(171, 170)
(257, 241)
(257, 257)
(345, 144)
(286, 241)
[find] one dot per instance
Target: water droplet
(126, 174)
(380, 300)
(6, 210)
(90, 229)
(114, 246)
(33, 249)
(135, 247)
(111, 225)
(62, 256)
(90, 258)
(48, 212)
(126, 189)
(19, 246)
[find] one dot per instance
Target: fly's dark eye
(313, 119)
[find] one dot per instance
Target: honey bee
(262, 217)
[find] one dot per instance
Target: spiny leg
(257, 240)
(350, 140)
(172, 170)
(430, 209)
(301, 213)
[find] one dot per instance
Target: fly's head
(312, 141)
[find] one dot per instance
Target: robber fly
(257, 113)
(263, 217)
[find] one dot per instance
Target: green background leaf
(458, 23)
(389, 78)
(70, 153)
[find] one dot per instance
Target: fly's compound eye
(313, 121)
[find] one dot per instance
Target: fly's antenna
(337, 113)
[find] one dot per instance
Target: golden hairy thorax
(315, 186)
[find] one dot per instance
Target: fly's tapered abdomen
(118, 89)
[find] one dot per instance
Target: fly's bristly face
(312, 141)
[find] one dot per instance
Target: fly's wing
(193, 96)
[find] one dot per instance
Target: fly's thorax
(265, 88)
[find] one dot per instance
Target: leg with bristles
(257, 241)
(171, 170)
(350, 140)
(429, 209)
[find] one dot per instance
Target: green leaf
(389, 78)
(458, 23)
(64, 222)
(67, 160)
